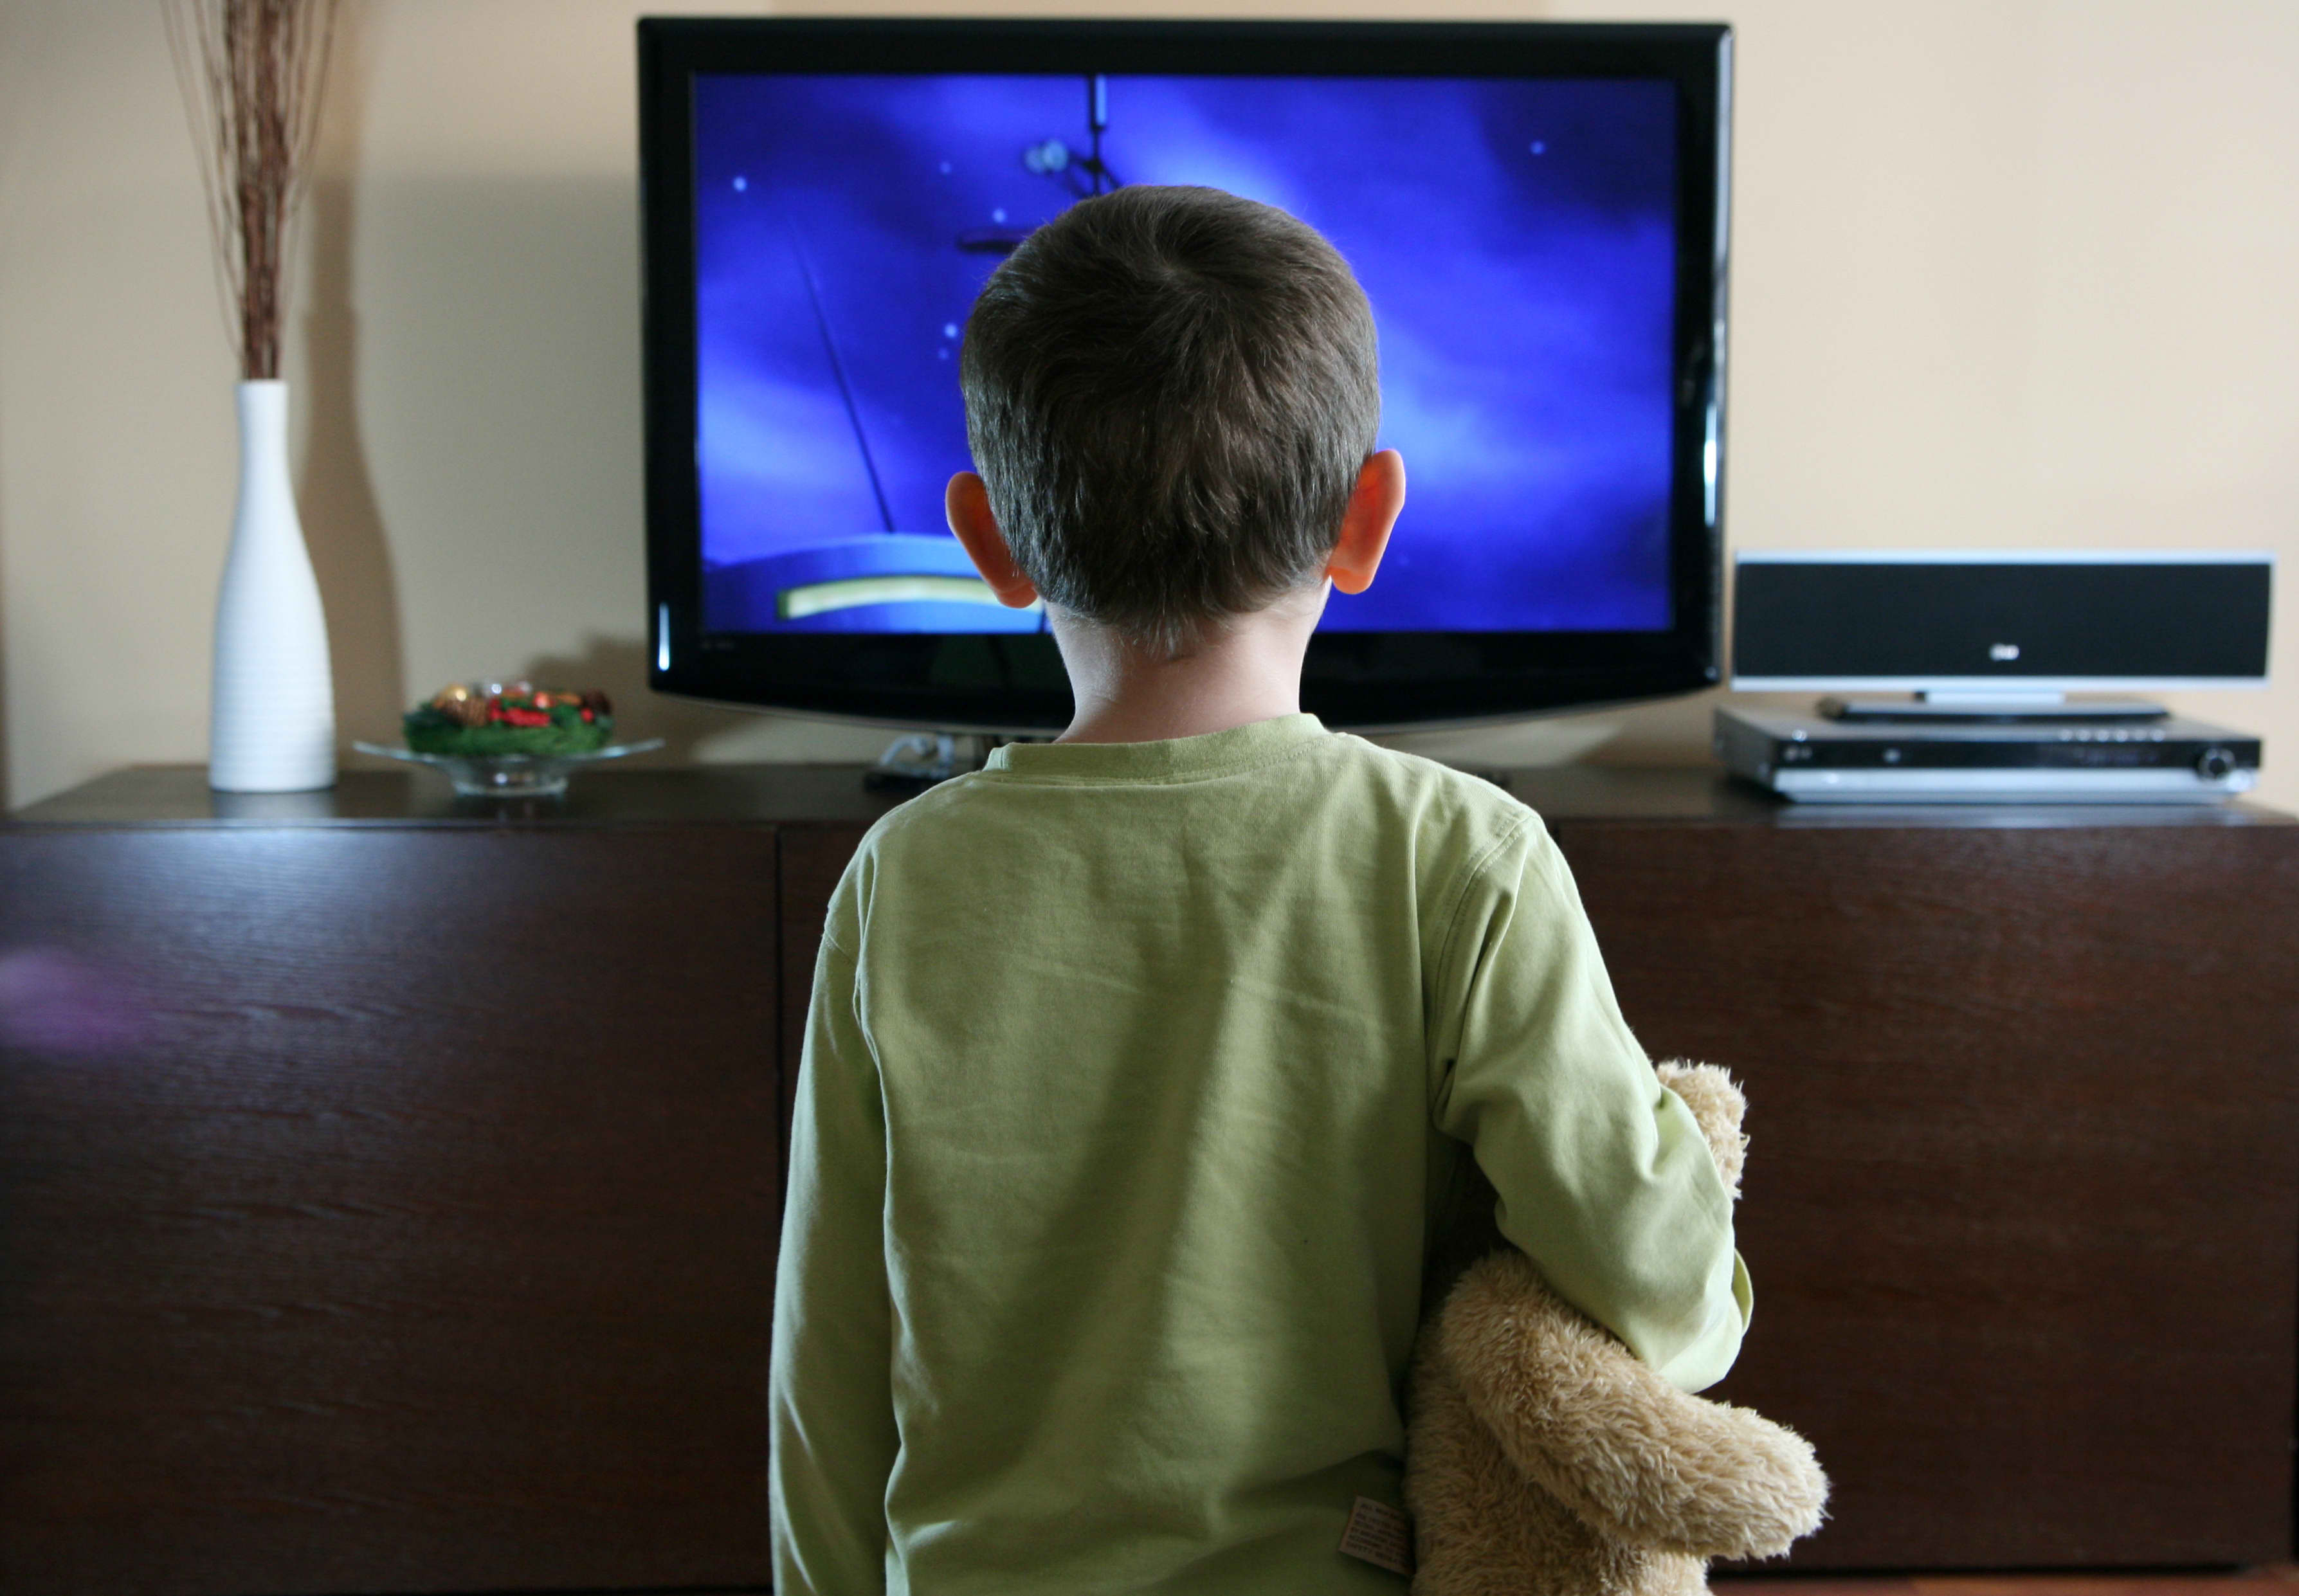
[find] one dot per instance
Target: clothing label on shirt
(1379, 1534)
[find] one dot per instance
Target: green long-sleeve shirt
(1131, 1076)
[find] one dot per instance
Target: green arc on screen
(817, 598)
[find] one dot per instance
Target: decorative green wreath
(475, 722)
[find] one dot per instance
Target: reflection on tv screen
(1514, 236)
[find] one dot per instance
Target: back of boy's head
(1169, 394)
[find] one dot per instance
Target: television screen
(1517, 238)
(1535, 210)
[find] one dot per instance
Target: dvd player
(1819, 759)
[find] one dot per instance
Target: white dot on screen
(950, 330)
(741, 184)
(1540, 148)
(945, 168)
(998, 216)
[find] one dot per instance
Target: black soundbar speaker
(1928, 622)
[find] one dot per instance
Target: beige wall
(2007, 273)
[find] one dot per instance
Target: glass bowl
(510, 775)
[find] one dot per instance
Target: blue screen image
(1517, 238)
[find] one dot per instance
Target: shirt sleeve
(1603, 1179)
(833, 1435)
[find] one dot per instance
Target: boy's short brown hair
(1169, 393)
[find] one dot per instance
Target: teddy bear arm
(1717, 1107)
(1625, 1451)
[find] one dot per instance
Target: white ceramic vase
(273, 712)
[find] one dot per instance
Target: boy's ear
(967, 504)
(1365, 525)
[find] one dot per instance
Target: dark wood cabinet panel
(407, 1221)
(2022, 1200)
(420, 1240)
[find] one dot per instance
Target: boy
(1138, 1062)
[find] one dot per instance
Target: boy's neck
(1248, 670)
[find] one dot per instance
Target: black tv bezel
(1014, 682)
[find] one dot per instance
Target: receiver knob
(2214, 763)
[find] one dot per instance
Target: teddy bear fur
(1542, 1458)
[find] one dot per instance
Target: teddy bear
(1542, 1458)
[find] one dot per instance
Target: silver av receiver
(2106, 760)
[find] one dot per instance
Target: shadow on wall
(342, 523)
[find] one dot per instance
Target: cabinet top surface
(781, 795)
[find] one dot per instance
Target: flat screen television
(1537, 211)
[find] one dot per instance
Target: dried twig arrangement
(252, 71)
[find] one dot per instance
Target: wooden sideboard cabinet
(389, 1188)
